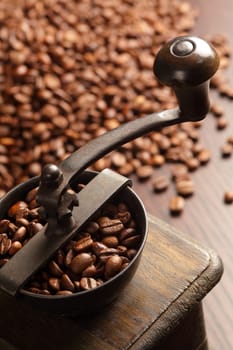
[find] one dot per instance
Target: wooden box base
(189, 334)
(160, 309)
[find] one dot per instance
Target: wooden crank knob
(186, 64)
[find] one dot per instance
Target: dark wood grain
(174, 276)
(206, 217)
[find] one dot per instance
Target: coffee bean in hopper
(103, 248)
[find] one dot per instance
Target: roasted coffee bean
(21, 217)
(185, 188)
(54, 284)
(66, 283)
(192, 164)
(204, 156)
(110, 210)
(144, 172)
(160, 183)
(92, 227)
(21, 221)
(221, 123)
(60, 258)
(110, 241)
(77, 286)
(64, 292)
(217, 110)
(69, 257)
(35, 290)
(12, 228)
(157, 160)
(80, 262)
(98, 247)
(131, 224)
(107, 253)
(118, 159)
(144, 158)
(15, 247)
(176, 205)
(110, 226)
(34, 213)
(33, 204)
(45, 292)
(16, 208)
(124, 216)
(34, 227)
(90, 271)
(5, 244)
(125, 259)
(87, 283)
(121, 249)
(179, 171)
(54, 269)
(124, 265)
(127, 232)
(197, 148)
(230, 139)
(112, 266)
(228, 197)
(226, 150)
(184, 177)
(3, 261)
(83, 244)
(31, 195)
(4, 225)
(20, 234)
(131, 242)
(69, 246)
(131, 253)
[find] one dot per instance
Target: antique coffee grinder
(186, 64)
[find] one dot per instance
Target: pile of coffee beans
(72, 70)
(103, 248)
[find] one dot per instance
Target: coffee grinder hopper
(186, 64)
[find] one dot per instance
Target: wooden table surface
(206, 218)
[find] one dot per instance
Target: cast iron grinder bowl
(92, 300)
(186, 63)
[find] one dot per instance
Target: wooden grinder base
(160, 309)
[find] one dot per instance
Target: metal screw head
(182, 47)
(51, 175)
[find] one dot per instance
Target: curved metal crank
(185, 63)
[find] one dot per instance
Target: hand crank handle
(184, 63)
